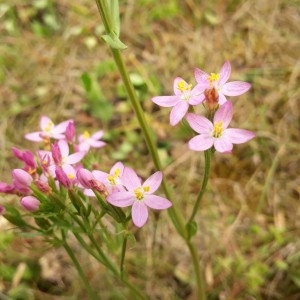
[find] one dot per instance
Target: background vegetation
(53, 62)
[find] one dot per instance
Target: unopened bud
(211, 99)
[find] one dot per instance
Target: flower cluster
(60, 165)
(211, 90)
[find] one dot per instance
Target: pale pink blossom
(87, 141)
(217, 134)
(139, 195)
(48, 130)
(218, 82)
(184, 96)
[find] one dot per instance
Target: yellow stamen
(49, 126)
(218, 129)
(183, 86)
(86, 135)
(139, 193)
(146, 188)
(113, 178)
(71, 176)
(213, 77)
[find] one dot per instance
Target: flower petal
(64, 148)
(201, 142)
(224, 73)
(166, 101)
(222, 99)
(157, 202)
(34, 136)
(139, 213)
(61, 127)
(235, 88)
(121, 199)
(44, 123)
(97, 144)
(224, 114)
(222, 144)
(199, 124)
(130, 179)
(238, 136)
(117, 165)
(99, 175)
(197, 95)
(178, 112)
(153, 182)
(97, 135)
(74, 158)
(177, 80)
(201, 77)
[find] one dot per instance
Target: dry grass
(249, 218)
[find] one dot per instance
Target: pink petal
(178, 112)
(166, 101)
(61, 127)
(130, 180)
(121, 199)
(64, 148)
(97, 135)
(238, 136)
(224, 73)
(222, 99)
(99, 175)
(222, 144)
(139, 213)
(199, 124)
(34, 136)
(201, 77)
(197, 95)
(224, 114)
(97, 144)
(74, 158)
(153, 182)
(44, 122)
(157, 202)
(201, 142)
(235, 88)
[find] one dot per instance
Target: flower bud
(85, 177)
(43, 186)
(63, 178)
(211, 99)
(30, 203)
(70, 132)
(56, 154)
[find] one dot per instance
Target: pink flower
(22, 181)
(139, 195)
(111, 180)
(87, 141)
(48, 130)
(30, 203)
(184, 96)
(218, 82)
(217, 134)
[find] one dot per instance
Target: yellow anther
(183, 86)
(213, 77)
(49, 126)
(218, 129)
(146, 188)
(86, 135)
(117, 172)
(139, 193)
(71, 176)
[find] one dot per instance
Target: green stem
(124, 245)
(207, 155)
(201, 295)
(92, 294)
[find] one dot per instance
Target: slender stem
(201, 295)
(207, 155)
(123, 255)
(91, 292)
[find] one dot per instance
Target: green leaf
(113, 41)
(86, 81)
(191, 228)
(115, 16)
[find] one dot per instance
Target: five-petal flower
(217, 134)
(218, 83)
(139, 195)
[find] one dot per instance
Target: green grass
(52, 59)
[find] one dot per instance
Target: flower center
(213, 77)
(113, 179)
(183, 86)
(86, 135)
(49, 126)
(218, 129)
(139, 192)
